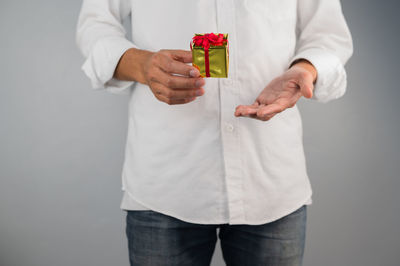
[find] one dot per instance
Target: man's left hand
(282, 92)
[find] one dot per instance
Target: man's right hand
(160, 70)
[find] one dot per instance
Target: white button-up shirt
(198, 162)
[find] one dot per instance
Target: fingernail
(199, 93)
(194, 73)
(199, 83)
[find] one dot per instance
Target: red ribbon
(206, 41)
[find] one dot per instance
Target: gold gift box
(218, 58)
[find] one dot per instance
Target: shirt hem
(306, 201)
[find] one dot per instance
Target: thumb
(306, 85)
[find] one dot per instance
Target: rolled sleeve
(101, 38)
(324, 40)
(332, 78)
(100, 65)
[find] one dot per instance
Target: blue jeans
(160, 240)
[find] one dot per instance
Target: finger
(266, 118)
(270, 109)
(178, 82)
(177, 94)
(245, 110)
(170, 65)
(176, 67)
(182, 55)
(168, 101)
(306, 85)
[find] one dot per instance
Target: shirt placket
(229, 99)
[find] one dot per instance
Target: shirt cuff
(332, 80)
(102, 61)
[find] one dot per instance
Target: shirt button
(229, 127)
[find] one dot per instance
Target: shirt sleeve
(101, 38)
(323, 38)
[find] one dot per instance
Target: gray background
(61, 147)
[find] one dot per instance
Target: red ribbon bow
(206, 41)
(209, 39)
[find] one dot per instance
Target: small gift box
(210, 54)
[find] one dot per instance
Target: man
(208, 153)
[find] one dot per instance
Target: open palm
(281, 93)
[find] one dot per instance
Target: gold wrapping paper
(218, 59)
